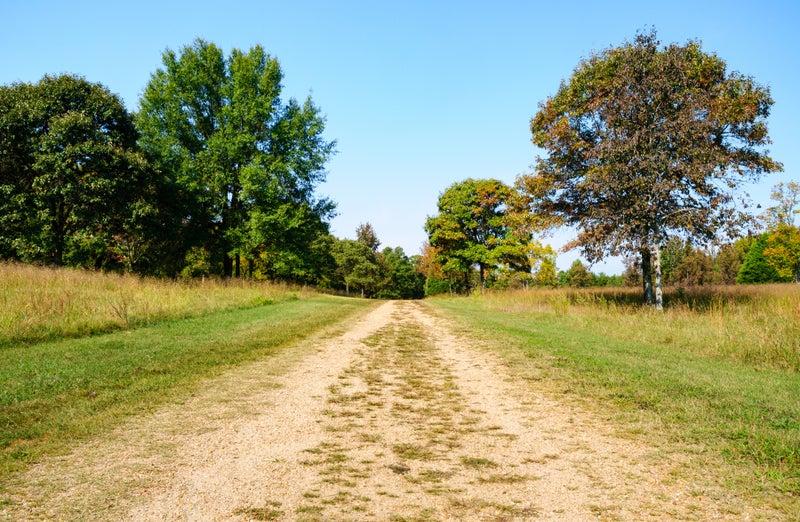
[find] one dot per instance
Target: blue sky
(417, 94)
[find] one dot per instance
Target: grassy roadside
(720, 409)
(41, 303)
(55, 392)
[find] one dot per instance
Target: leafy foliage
(245, 162)
(479, 224)
(755, 268)
(74, 189)
(646, 142)
(389, 274)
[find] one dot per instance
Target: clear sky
(418, 94)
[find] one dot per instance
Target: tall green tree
(357, 267)
(401, 280)
(645, 142)
(73, 188)
(245, 162)
(477, 226)
(755, 267)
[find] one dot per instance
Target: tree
(73, 188)
(755, 268)
(366, 234)
(787, 204)
(632, 275)
(428, 264)
(578, 275)
(673, 253)
(695, 269)
(782, 252)
(400, 279)
(477, 226)
(729, 259)
(544, 267)
(245, 162)
(646, 142)
(356, 267)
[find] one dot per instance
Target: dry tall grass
(38, 303)
(758, 324)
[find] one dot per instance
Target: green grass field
(39, 303)
(55, 392)
(705, 377)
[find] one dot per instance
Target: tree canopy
(245, 162)
(645, 142)
(478, 225)
(73, 187)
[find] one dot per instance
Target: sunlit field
(717, 370)
(755, 324)
(39, 303)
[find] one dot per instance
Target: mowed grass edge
(717, 410)
(55, 393)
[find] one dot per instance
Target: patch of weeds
(504, 478)
(412, 452)
(478, 462)
(308, 509)
(261, 513)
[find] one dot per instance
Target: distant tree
(73, 187)
(245, 162)
(695, 268)
(544, 267)
(673, 252)
(366, 234)
(357, 267)
(755, 268)
(729, 260)
(578, 275)
(476, 226)
(782, 252)
(683, 264)
(632, 275)
(647, 142)
(787, 204)
(428, 265)
(400, 279)
(603, 279)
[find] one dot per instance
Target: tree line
(216, 174)
(645, 149)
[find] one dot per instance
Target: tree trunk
(58, 235)
(659, 298)
(481, 270)
(227, 266)
(238, 262)
(647, 276)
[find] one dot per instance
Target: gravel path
(397, 418)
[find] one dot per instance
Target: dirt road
(395, 418)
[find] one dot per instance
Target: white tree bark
(659, 297)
